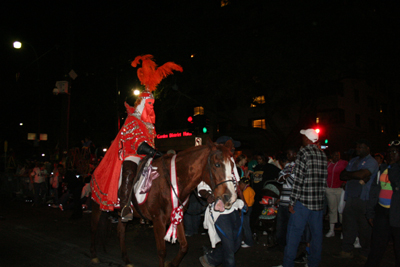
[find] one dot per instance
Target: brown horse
(210, 163)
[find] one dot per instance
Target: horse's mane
(191, 150)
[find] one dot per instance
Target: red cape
(106, 178)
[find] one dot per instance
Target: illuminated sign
(173, 135)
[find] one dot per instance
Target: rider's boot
(129, 169)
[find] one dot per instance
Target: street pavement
(44, 236)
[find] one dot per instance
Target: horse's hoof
(95, 260)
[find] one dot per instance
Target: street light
(17, 44)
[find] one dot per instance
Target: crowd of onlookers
(361, 197)
(53, 185)
(360, 204)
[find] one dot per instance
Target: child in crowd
(248, 194)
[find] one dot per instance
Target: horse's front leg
(183, 246)
(121, 235)
(96, 213)
(159, 233)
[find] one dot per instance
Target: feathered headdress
(149, 75)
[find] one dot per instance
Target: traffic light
(326, 141)
(317, 130)
(205, 130)
(190, 119)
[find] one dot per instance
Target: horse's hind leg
(183, 246)
(121, 228)
(159, 233)
(96, 213)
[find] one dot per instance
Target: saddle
(144, 179)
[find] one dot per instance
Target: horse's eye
(217, 165)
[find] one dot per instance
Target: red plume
(149, 75)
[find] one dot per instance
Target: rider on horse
(114, 176)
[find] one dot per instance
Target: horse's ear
(210, 143)
(231, 147)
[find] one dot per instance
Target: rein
(168, 178)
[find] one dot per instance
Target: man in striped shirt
(307, 199)
(286, 179)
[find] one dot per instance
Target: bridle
(213, 185)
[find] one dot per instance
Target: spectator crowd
(286, 197)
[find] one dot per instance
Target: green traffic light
(204, 129)
(326, 141)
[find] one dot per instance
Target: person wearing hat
(307, 200)
(223, 226)
(357, 175)
(112, 180)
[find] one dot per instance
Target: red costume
(106, 176)
(138, 128)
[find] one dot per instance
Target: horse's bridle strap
(213, 185)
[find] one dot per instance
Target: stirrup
(127, 217)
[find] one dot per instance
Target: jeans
(55, 193)
(225, 253)
(356, 224)
(296, 226)
(282, 220)
(381, 233)
(40, 191)
(247, 233)
(192, 217)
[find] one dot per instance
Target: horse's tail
(134, 201)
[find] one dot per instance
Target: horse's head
(221, 174)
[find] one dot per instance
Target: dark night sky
(251, 44)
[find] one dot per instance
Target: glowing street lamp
(136, 92)
(17, 44)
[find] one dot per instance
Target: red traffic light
(190, 119)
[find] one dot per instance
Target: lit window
(259, 99)
(224, 3)
(253, 105)
(259, 124)
(31, 136)
(43, 137)
(382, 128)
(198, 111)
(317, 120)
